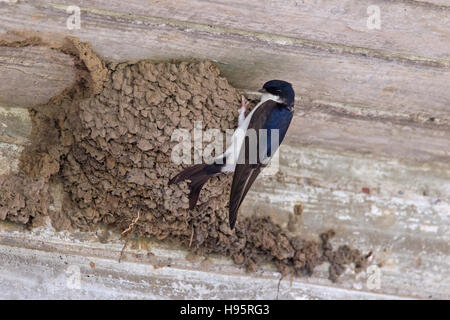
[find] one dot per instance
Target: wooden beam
(367, 153)
(32, 75)
(42, 264)
(407, 27)
(365, 81)
(398, 212)
(332, 127)
(338, 128)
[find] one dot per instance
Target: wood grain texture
(348, 187)
(32, 75)
(368, 152)
(441, 3)
(40, 264)
(368, 83)
(406, 26)
(325, 127)
(337, 128)
(399, 212)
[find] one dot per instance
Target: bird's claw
(242, 111)
(244, 103)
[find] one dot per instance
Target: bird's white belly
(233, 151)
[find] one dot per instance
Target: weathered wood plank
(334, 183)
(319, 123)
(443, 3)
(406, 27)
(401, 213)
(337, 128)
(9, 157)
(383, 86)
(364, 109)
(15, 123)
(32, 75)
(42, 264)
(319, 127)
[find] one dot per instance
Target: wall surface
(367, 154)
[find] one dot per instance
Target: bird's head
(278, 90)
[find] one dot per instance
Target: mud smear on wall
(107, 141)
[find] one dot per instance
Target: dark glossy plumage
(270, 115)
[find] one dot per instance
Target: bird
(273, 112)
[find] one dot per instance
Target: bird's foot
(244, 104)
(242, 111)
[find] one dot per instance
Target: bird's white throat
(269, 96)
(232, 152)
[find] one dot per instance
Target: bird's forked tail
(198, 175)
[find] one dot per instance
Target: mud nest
(107, 141)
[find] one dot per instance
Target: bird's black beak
(262, 90)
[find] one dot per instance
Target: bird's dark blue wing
(270, 115)
(278, 119)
